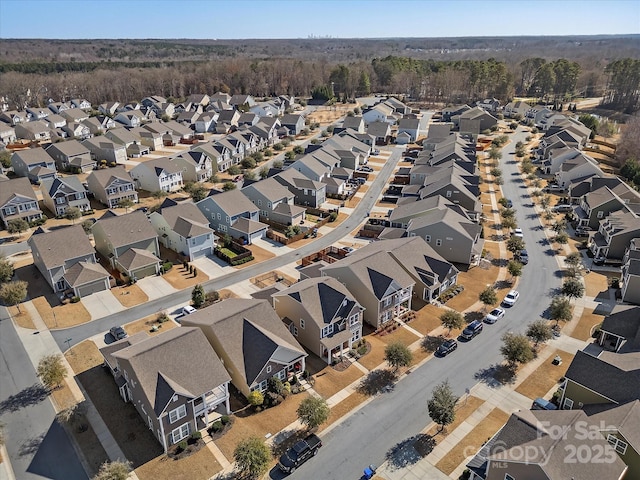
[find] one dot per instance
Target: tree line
(434, 81)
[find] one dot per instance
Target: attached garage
(86, 278)
(138, 263)
(90, 288)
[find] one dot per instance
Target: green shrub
(166, 266)
(333, 216)
(225, 419)
(75, 299)
(182, 446)
(162, 317)
(216, 427)
(196, 436)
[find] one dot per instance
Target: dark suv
(473, 329)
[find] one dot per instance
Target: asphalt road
(38, 446)
(376, 431)
(84, 331)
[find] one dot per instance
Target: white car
(511, 298)
(494, 315)
(188, 310)
(518, 232)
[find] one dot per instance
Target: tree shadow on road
(496, 375)
(31, 445)
(376, 382)
(32, 395)
(410, 451)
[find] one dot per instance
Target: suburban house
(227, 119)
(240, 100)
(529, 447)
(410, 126)
(7, 133)
(196, 166)
(293, 122)
(158, 175)
(77, 130)
(157, 375)
(33, 163)
(129, 243)
(183, 228)
(267, 109)
(615, 233)
(110, 186)
(60, 194)
(99, 125)
(37, 131)
(377, 281)
(201, 99)
(397, 106)
(71, 155)
(307, 192)
(381, 131)
(475, 121)
(599, 203)
(251, 340)
(108, 108)
(220, 156)
(453, 235)
(489, 104)
(13, 117)
(577, 168)
(453, 183)
(607, 371)
(311, 168)
(631, 273)
(453, 110)
(58, 107)
(81, 103)
(38, 113)
(379, 113)
(131, 142)
(355, 122)
(54, 121)
(206, 122)
(149, 139)
(18, 200)
(102, 148)
(275, 202)
(131, 118)
(67, 261)
(322, 315)
(266, 129)
(234, 214)
(248, 118)
(515, 109)
(74, 115)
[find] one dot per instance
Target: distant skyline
(268, 19)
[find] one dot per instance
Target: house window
(427, 238)
(222, 228)
(326, 331)
(259, 203)
(438, 242)
(619, 445)
(448, 193)
(218, 216)
(294, 330)
(355, 336)
(150, 422)
(600, 214)
(568, 404)
(180, 433)
(268, 368)
(353, 319)
(227, 219)
(60, 200)
(177, 413)
(302, 323)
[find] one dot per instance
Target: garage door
(203, 253)
(145, 272)
(91, 288)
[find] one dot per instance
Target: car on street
(299, 453)
(523, 257)
(508, 203)
(473, 329)
(118, 333)
(511, 298)
(494, 315)
(518, 233)
(447, 347)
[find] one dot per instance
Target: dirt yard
(586, 324)
(427, 319)
(198, 466)
(130, 296)
(473, 441)
(22, 317)
(595, 284)
(145, 324)
(475, 280)
(329, 381)
(84, 356)
(259, 255)
(545, 376)
(376, 356)
(180, 278)
(60, 316)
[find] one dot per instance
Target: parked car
(364, 168)
(447, 347)
(348, 249)
(361, 180)
(564, 208)
(375, 151)
(523, 257)
(518, 232)
(511, 298)
(494, 315)
(508, 203)
(118, 333)
(542, 404)
(473, 329)
(599, 260)
(582, 232)
(553, 187)
(299, 453)
(188, 310)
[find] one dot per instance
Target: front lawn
(543, 378)
(198, 466)
(586, 324)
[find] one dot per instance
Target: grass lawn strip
(585, 325)
(473, 441)
(543, 378)
(61, 316)
(464, 408)
(22, 319)
(271, 420)
(328, 382)
(198, 466)
(343, 408)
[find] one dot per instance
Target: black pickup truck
(299, 453)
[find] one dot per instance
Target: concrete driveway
(212, 267)
(101, 304)
(155, 287)
(271, 246)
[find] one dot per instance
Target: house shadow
(410, 451)
(27, 397)
(53, 455)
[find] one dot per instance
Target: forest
(436, 71)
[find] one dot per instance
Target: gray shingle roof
(127, 229)
(16, 187)
(85, 272)
(186, 220)
(60, 245)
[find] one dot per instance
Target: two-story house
(377, 281)
(66, 259)
(475, 121)
(615, 232)
(74, 115)
(157, 375)
(18, 201)
(7, 133)
(206, 122)
(275, 202)
(158, 175)
(196, 166)
(597, 204)
(71, 155)
(293, 122)
(234, 214)
(102, 148)
(220, 156)
(251, 340)
(631, 273)
(183, 228)
(100, 124)
(33, 163)
(60, 194)
(81, 103)
(130, 118)
(322, 315)
(306, 192)
(111, 186)
(129, 243)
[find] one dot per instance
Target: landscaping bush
(182, 446)
(215, 427)
(333, 216)
(225, 419)
(75, 299)
(162, 317)
(166, 266)
(195, 436)
(242, 260)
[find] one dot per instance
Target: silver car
(494, 315)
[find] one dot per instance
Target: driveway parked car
(511, 298)
(473, 329)
(509, 203)
(562, 208)
(188, 310)
(494, 315)
(118, 333)
(447, 347)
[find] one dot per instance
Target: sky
(231, 19)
